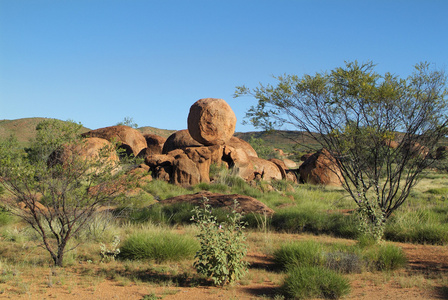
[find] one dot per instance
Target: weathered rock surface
(154, 145)
(246, 204)
(290, 164)
(237, 158)
(238, 143)
(320, 168)
(185, 171)
(179, 140)
(211, 121)
(201, 156)
(265, 169)
(131, 139)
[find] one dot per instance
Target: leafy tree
(58, 198)
(357, 115)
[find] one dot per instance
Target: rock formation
(132, 141)
(320, 168)
(211, 121)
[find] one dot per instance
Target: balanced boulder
(211, 121)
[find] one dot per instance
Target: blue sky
(97, 62)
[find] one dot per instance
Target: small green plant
(109, 254)
(223, 247)
(159, 246)
(306, 253)
(386, 257)
(314, 282)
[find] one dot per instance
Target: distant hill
(152, 130)
(25, 129)
(282, 139)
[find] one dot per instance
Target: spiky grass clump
(314, 282)
(306, 253)
(385, 257)
(159, 246)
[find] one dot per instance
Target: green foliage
(6, 217)
(262, 149)
(355, 112)
(223, 247)
(307, 253)
(386, 257)
(159, 246)
(70, 190)
(314, 282)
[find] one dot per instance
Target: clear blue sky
(97, 62)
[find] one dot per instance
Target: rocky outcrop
(211, 121)
(185, 171)
(179, 140)
(320, 168)
(238, 143)
(265, 170)
(246, 204)
(131, 140)
(290, 164)
(238, 159)
(154, 145)
(201, 156)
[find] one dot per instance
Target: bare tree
(380, 128)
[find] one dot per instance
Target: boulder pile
(187, 154)
(185, 157)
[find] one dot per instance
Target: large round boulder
(179, 140)
(211, 121)
(321, 168)
(131, 140)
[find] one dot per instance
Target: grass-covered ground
(310, 240)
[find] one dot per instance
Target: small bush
(159, 246)
(6, 217)
(306, 253)
(314, 282)
(386, 257)
(223, 247)
(344, 262)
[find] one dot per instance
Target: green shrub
(158, 246)
(298, 220)
(386, 257)
(314, 282)
(305, 253)
(223, 245)
(6, 217)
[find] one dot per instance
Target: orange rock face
(131, 139)
(211, 121)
